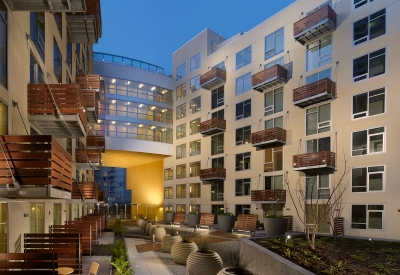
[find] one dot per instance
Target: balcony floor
(209, 180)
(316, 167)
(269, 83)
(88, 166)
(268, 144)
(313, 99)
(322, 28)
(91, 114)
(70, 126)
(212, 131)
(213, 83)
(48, 191)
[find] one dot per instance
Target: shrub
(226, 214)
(117, 228)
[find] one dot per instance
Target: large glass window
(168, 173)
(194, 169)
(243, 84)
(243, 109)
(359, 3)
(369, 27)
(37, 32)
(369, 65)
(181, 111)
(368, 179)
(367, 216)
(243, 135)
(273, 159)
(195, 105)
(319, 53)
(168, 193)
(195, 126)
(318, 119)
(3, 45)
(181, 71)
(274, 43)
(320, 144)
(273, 182)
(369, 104)
(57, 214)
(69, 53)
(195, 62)
(317, 186)
(57, 61)
(274, 122)
(369, 141)
(279, 61)
(35, 72)
(217, 144)
(37, 218)
(218, 162)
(243, 161)
(217, 97)
(195, 84)
(3, 225)
(217, 191)
(243, 58)
(195, 147)
(181, 151)
(181, 131)
(319, 76)
(220, 65)
(181, 91)
(273, 102)
(219, 114)
(242, 209)
(181, 171)
(181, 191)
(194, 190)
(242, 187)
(181, 208)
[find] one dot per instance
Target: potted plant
(148, 228)
(240, 264)
(275, 225)
(169, 216)
(181, 250)
(193, 218)
(226, 221)
(168, 241)
(204, 261)
(158, 232)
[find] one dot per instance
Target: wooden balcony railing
(88, 81)
(88, 159)
(100, 195)
(213, 79)
(269, 77)
(84, 190)
(315, 160)
(213, 174)
(96, 142)
(91, 98)
(272, 195)
(314, 25)
(268, 138)
(58, 109)
(40, 5)
(212, 126)
(319, 91)
(35, 162)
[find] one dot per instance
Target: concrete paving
(104, 268)
(107, 238)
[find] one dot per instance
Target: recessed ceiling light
(152, 127)
(153, 88)
(113, 101)
(140, 125)
(153, 107)
(113, 80)
(113, 122)
(141, 85)
(99, 120)
(140, 105)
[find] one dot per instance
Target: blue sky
(151, 30)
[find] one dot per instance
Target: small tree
(315, 209)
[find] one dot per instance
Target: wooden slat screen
(213, 123)
(211, 74)
(88, 81)
(89, 190)
(212, 173)
(315, 88)
(94, 227)
(314, 159)
(268, 195)
(35, 160)
(289, 226)
(268, 135)
(314, 18)
(100, 195)
(95, 141)
(29, 263)
(83, 230)
(271, 72)
(338, 226)
(102, 215)
(83, 155)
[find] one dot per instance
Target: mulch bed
(341, 257)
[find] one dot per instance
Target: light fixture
(113, 122)
(127, 123)
(153, 88)
(129, 82)
(128, 103)
(141, 85)
(163, 92)
(140, 125)
(163, 129)
(152, 127)
(113, 80)
(163, 110)
(84, 110)
(99, 120)
(113, 101)
(140, 105)
(153, 107)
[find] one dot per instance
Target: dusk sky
(151, 30)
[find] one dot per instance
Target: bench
(179, 218)
(28, 264)
(246, 222)
(207, 220)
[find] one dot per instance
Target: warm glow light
(99, 120)
(152, 127)
(113, 122)
(140, 105)
(141, 85)
(163, 129)
(113, 101)
(152, 108)
(163, 110)
(153, 88)
(129, 82)
(127, 123)
(140, 125)
(113, 80)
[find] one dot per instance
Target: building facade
(305, 97)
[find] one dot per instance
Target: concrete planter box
(169, 217)
(266, 262)
(193, 220)
(275, 226)
(226, 223)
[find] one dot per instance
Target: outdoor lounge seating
(179, 218)
(29, 263)
(246, 222)
(207, 220)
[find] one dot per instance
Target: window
(369, 65)
(242, 209)
(320, 144)
(318, 119)
(181, 91)
(273, 182)
(181, 191)
(69, 53)
(367, 216)
(195, 208)
(57, 59)
(181, 171)
(217, 97)
(194, 190)
(220, 65)
(37, 217)
(319, 53)
(368, 179)
(195, 105)
(168, 193)
(317, 187)
(195, 126)
(36, 73)
(243, 58)
(368, 141)
(279, 61)
(369, 104)
(195, 62)
(181, 208)
(181, 151)
(217, 191)
(273, 159)
(273, 102)
(181, 71)
(168, 173)
(369, 27)
(319, 76)
(243, 109)
(243, 161)
(275, 122)
(3, 45)
(194, 84)
(181, 131)
(218, 162)
(195, 147)
(274, 43)
(243, 135)
(37, 33)
(181, 111)
(217, 144)
(194, 169)
(359, 3)
(219, 114)
(68, 146)
(243, 84)
(242, 187)
(57, 214)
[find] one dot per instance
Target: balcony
(100, 195)
(85, 26)
(315, 160)
(315, 24)
(213, 174)
(212, 126)
(85, 190)
(268, 78)
(87, 159)
(268, 138)
(268, 196)
(91, 98)
(40, 5)
(34, 167)
(57, 109)
(96, 142)
(88, 81)
(213, 79)
(319, 91)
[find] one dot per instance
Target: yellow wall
(147, 184)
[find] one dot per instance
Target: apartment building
(289, 101)
(48, 99)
